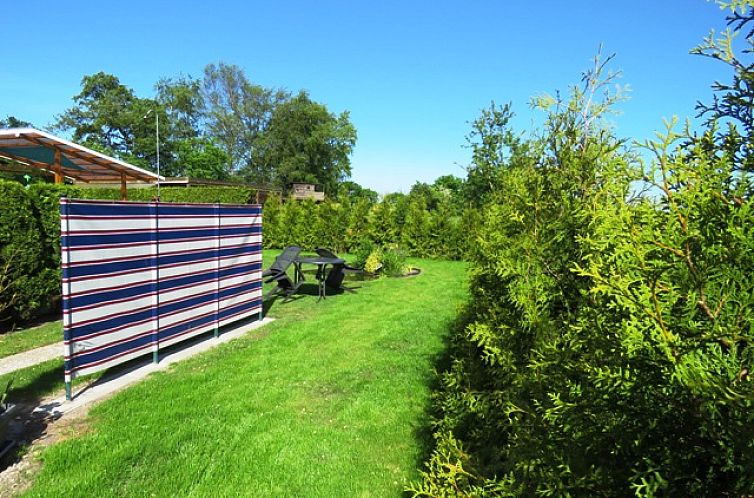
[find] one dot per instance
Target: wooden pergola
(41, 150)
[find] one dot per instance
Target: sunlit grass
(329, 400)
(25, 339)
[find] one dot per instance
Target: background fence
(141, 276)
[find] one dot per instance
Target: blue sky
(412, 74)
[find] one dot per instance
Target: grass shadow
(33, 415)
(27, 425)
(441, 362)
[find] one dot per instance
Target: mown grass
(329, 400)
(22, 340)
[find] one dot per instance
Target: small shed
(32, 148)
(301, 191)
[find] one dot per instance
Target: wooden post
(56, 168)
(123, 189)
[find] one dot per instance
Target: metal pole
(261, 245)
(157, 118)
(217, 244)
(156, 340)
(67, 317)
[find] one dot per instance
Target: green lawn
(329, 400)
(26, 339)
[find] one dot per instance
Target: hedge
(607, 346)
(30, 231)
(348, 225)
(223, 195)
(30, 237)
(25, 281)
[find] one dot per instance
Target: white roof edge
(18, 132)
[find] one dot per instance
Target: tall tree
(491, 142)
(352, 190)
(237, 112)
(201, 158)
(108, 116)
(14, 122)
(181, 97)
(734, 102)
(307, 143)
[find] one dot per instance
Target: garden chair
(327, 253)
(277, 273)
(335, 278)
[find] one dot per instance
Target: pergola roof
(41, 150)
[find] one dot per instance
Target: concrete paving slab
(30, 358)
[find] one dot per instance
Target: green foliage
(203, 194)
(201, 158)
(357, 233)
(416, 235)
(272, 228)
(218, 127)
(383, 228)
(109, 117)
(304, 142)
(353, 191)
(237, 112)
(30, 236)
(361, 254)
(331, 225)
(398, 220)
(394, 262)
(390, 261)
(677, 273)
(491, 142)
(373, 263)
(608, 345)
(4, 395)
(45, 198)
(734, 102)
(23, 279)
(14, 122)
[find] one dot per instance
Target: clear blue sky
(412, 74)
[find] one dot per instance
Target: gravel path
(30, 358)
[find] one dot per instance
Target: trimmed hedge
(25, 281)
(30, 231)
(346, 226)
(223, 195)
(30, 237)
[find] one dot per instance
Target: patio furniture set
(331, 278)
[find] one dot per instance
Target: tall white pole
(157, 131)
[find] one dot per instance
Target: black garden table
(321, 263)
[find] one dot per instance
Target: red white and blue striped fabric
(141, 276)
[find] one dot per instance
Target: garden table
(321, 263)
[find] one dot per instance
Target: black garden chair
(337, 274)
(277, 273)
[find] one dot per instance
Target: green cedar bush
(608, 350)
(22, 280)
(343, 226)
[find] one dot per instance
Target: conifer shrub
(608, 344)
(24, 281)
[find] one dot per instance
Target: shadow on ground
(441, 363)
(34, 411)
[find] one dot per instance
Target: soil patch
(34, 430)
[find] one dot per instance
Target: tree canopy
(304, 142)
(221, 126)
